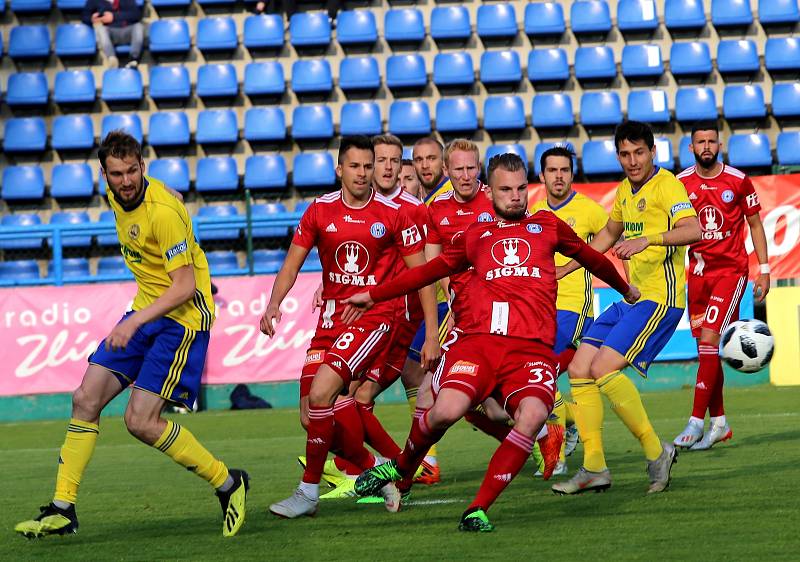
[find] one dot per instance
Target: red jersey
(447, 218)
(358, 247)
(513, 287)
(416, 210)
(722, 204)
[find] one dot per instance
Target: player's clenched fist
(271, 316)
(632, 295)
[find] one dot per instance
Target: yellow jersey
(587, 218)
(157, 237)
(654, 208)
(444, 186)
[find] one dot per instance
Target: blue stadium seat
(264, 79)
(130, 123)
(311, 29)
(737, 56)
(221, 261)
(500, 67)
(450, 23)
(782, 53)
(642, 61)
(600, 158)
(503, 113)
(789, 148)
(169, 83)
(22, 183)
(359, 73)
(731, 13)
(695, 104)
(637, 15)
(269, 210)
(24, 134)
(749, 151)
(170, 3)
(264, 124)
(772, 12)
(217, 81)
(73, 132)
(497, 21)
(19, 270)
(544, 18)
(684, 14)
(1, 36)
(312, 122)
(406, 71)
(313, 169)
(744, 102)
(217, 126)
(216, 34)
(110, 239)
(453, 69)
(409, 118)
(543, 146)
(29, 42)
(27, 89)
(595, 63)
(263, 31)
(24, 242)
(547, 65)
(301, 206)
(312, 76)
(649, 106)
(265, 172)
(356, 27)
(403, 25)
(360, 118)
(664, 155)
(72, 181)
(690, 59)
(113, 265)
(169, 36)
(268, 261)
(77, 5)
(30, 6)
(71, 268)
(590, 16)
(122, 84)
(552, 110)
(217, 211)
(498, 149)
(685, 156)
(600, 109)
(72, 217)
(786, 100)
(456, 115)
(168, 128)
(174, 172)
(216, 173)
(75, 40)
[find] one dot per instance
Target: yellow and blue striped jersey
(444, 186)
(586, 217)
(654, 208)
(157, 237)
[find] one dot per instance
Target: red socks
(320, 436)
(494, 429)
(419, 441)
(716, 406)
(348, 438)
(374, 433)
(507, 461)
(708, 378)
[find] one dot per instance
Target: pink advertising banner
(48, 332)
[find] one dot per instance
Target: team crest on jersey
(509, 252)
(133, 232)
(462, 367)
(485, 217)
(727, 195)
(571, 222)
(533, 228)
(377, 230)
(352, 257)
(641, 205)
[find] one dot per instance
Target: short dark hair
(361, 142)
(634, 131)
(509, 161)
(428, 140)
(707, 125)
(118, 144)
(557, 151)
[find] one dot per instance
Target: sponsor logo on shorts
(314, 356)
(176, 250)
(337, 364)
(696, 320)
(462, 367)
(727, 195)
(677, 207)
(377, 230)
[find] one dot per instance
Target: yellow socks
(75, 454)
(180, 445)
(569, 412)
(627, 404)
(558, 417)
(411, 396)
(589, 419)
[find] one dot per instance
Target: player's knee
(85, 405)
(530, 416)
(141, 427)
(441, 416)
(597, 370)
(366, 393)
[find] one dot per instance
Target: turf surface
(738, 501)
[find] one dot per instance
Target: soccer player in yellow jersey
(653, 212)
(158, 348)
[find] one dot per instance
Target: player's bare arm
(759, 238)
(316, 301)
(284, 282)
(686, 231)
(602, 242)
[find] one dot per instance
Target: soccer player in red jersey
(409, 181)
(724, 199)
(507, 349)
(359, 233)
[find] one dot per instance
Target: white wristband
(765, 268)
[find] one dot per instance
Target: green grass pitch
(738, 501)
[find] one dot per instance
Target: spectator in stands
(289, 7)
(116, 22)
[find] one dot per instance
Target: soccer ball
(747, 345)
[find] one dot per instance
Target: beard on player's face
(706, 159)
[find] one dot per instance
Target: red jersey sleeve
(434, 236)
(749, 203)
(306, 233)
(595, 263)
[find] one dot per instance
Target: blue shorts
(163, 357)
(419, 338)
(569, 328)
(639, 331)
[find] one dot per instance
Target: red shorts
(714, 301)
(508, 369)
(388, 367)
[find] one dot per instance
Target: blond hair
(462, 145)
(389, 139)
